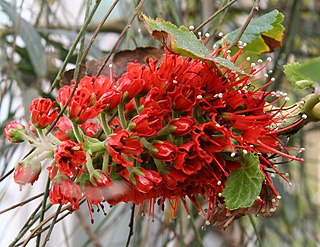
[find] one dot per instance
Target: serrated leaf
(244, 184)
(265, 31)
(182, 41)
(303, 75)
(31, 38)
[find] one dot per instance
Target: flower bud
(27, 173)
(42, 112)
(99, 179)
(165, 151)
(15, 132)
(182, 126)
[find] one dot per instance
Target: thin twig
(125, 29)
(259, 240)
(39, 227)
(51, 226)
(131, 223)
(71, 50)
(95, 34)
(214, 15)
(92, 236)
(30, 221)
(254, 9)
(40, 231)
(81, 48)
(18, 24)
(20, 204)
(43, 208)
(6, 175)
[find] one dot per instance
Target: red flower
(64, 129)
(65, 132)
(165, 151)
(69, 157)
(42, 113)
(172, 178)
(15, 132)
(83, 105)
(145, 182)
(182, 126)
(53, 171)
(98, 86)
(147, 123)
(90, 128)
(124, 143)
(210, 138)
(111, 99)
(131, 82)
(27, 173)
(65, 191)
(188, 159)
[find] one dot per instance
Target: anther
(191, 27)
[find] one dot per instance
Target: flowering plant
(189, 126)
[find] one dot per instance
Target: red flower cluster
(164, 130)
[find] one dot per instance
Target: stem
(97, 147)
(43, 209)
(137, 104)
(256, 231)
(77, 132)
(159, 166)
(78, 62)
(95, 34)
(125, 29)
(73, 46)
(214, 15)
(131, 225)
(105, 125)
(105, 164)
(195, 230)
(254, 9)
(52, 225)
(89, 164)
(122, 116)
(20, 204)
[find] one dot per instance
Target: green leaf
(182, 41)
(31, 38)
(303, 75)
(244, 184)
(263, 34)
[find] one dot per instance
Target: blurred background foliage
(35, 39)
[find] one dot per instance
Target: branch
(131, 225)
(214, 15)
(139, 6)
(255, 8)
